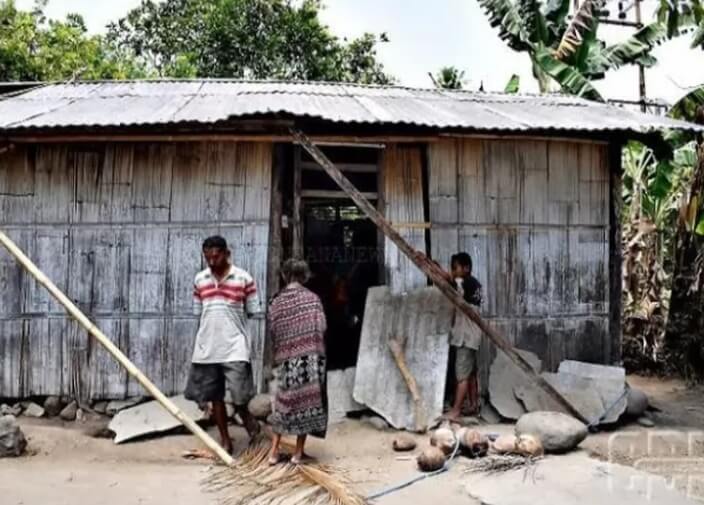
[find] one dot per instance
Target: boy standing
(465, 336)
(224, 296)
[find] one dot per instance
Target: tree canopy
(33, 48)
(279, 39)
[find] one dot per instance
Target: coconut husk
(431, 459)
(444, 439)
(505, 444)
(473, 443)
(529, 445)
(403, 443)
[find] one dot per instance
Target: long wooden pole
(434, 272)
(83, 320)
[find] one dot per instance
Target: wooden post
(434, 272)
(297, 204)
(613, 347)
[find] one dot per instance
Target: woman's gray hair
(295, 270)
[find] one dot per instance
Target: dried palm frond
(499, 463)
(251, 480)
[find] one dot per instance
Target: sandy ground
(674, 448)
(69, 467)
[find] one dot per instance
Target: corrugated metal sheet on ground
(169, 102)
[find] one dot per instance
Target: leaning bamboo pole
(432, 271)
(93, 330)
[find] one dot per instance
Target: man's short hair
(216, 241)
(463, 259)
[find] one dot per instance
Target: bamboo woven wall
(119, 228)
(534, 215)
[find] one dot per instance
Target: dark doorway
(340, 245)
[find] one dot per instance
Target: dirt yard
(70, 467)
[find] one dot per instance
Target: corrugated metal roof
(170, 102)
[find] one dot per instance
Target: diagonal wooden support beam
(434, 272)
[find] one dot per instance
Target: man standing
(224, 297)
(466, 336)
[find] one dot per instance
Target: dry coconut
(444, 439)
(403, 443)
(474, 443)
(431, 459)
(505, 444)
(529, 445)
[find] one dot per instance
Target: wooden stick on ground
(432, 271)
(83, 320)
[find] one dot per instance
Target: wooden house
(112, 186)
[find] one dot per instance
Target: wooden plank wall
(534, 215)
(119, 227)
(403, 203)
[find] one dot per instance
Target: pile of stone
(599, 392)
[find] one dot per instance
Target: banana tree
(565, 51)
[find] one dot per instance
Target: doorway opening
(341, 249)
(340, 244)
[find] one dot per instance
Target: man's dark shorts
(207, 381)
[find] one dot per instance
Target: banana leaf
(637, 47)
(513, 84)
(688, 106)
(583, 26)
(698, 37)
(533, 21)
(570, 80)
(504, 15)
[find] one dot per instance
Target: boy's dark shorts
(465, 362)
(207, 381)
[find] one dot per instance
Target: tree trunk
(684, 338)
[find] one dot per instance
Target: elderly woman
(297, 328)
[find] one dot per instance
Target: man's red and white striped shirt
(223, 308)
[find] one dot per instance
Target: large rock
(504, 378)
(637, 403)
(31, 409)
(100, 407)
(609, 381)
(12, 440)
(558, 432)
(149, 418)
(52, 406)
(579, 391)
(69, 411)
(116, 406)
(260, 406)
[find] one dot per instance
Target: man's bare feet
(453, 415)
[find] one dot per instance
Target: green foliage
(34, 49)
(513, 85)
(254, 39)
(568, 51)
(449, 78)
(570, 79)
(699, 230)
